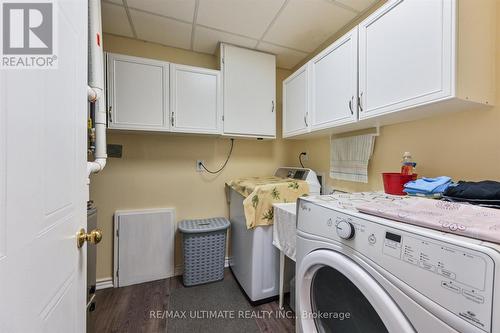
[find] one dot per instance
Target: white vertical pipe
(96, 85)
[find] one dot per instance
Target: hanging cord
(300, 159)
(225, 163)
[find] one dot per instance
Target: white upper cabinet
(296, 103)
(408, 60)
(195, 100)
(137, 93)
(406, 56)
(249, 90)
(334, 83)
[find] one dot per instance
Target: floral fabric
(261, 192)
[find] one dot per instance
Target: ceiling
(290, 29)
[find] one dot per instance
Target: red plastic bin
(394, 182)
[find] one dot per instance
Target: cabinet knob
(305, 120)
(272, 103)
(350, 105)
(360, 98)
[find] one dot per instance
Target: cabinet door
(249, 80)
(137, 93)
(334, 83)
(406, 56)
(296, 103)
(195, 101)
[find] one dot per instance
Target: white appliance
(254, 260)
(390, 276)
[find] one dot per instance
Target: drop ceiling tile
(161, 30)
(115, 20)
(359, 5)
(179, 9)
(285, 58)
(305, 24)
(206, 40)
(245, 17)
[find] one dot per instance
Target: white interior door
(42, 185)
(195, 99)
(334, 83)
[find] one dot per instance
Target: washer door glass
(339, 306)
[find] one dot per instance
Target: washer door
(335, 294)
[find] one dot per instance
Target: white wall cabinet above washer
(334, 83)
(249, 90)
(415, 59)
(137, 93)
(195, 100)
(406, 56)
(296, 103)
(413, 53)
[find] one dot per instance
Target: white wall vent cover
(143, 245)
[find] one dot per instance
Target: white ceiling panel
(245, 17)
(115, 20)
(359, 5)
(285, 58)
(305, 24)
(206, 40)
(161, 30)
(178, 9)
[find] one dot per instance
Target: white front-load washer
(361, 273)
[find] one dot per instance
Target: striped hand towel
(349, 157)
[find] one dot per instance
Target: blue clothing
(428, 185)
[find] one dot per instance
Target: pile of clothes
(428, 187)
(484, 193)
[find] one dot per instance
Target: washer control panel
(457, 278)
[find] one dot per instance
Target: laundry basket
(204, 246)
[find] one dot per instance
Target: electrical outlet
(305, 157)
(199, 167)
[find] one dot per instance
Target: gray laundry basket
(204, 245)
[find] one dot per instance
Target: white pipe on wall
(95, 91)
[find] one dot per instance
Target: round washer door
(337, 295)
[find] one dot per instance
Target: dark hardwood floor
(127, 309)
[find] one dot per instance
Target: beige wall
(463, 145)
(158, 170)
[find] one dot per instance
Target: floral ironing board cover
(262, 192)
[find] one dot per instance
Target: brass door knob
(93, 237)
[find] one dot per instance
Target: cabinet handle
(172, 119)
(360, 98)
(305, 120)
(350, 105)
(272, 109)
(110, 115)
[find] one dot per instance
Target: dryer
(361, 273)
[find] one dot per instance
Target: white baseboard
(104, 283)
(179, 269)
